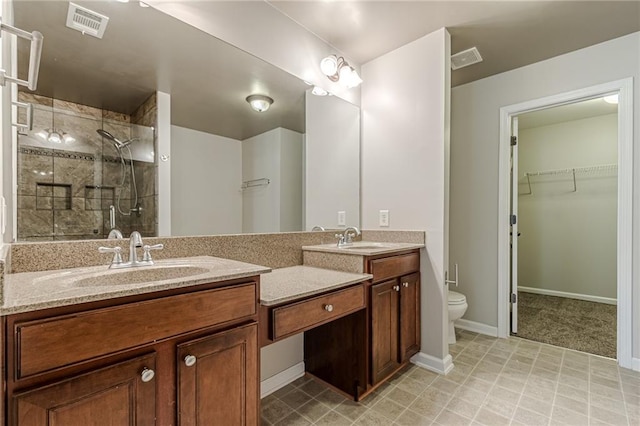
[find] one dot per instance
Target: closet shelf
(588, 170)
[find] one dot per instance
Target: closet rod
(573, 171)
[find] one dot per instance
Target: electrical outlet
(384, 218)
(342, 218)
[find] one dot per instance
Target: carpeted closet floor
(569, 323)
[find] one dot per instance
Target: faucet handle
(117, 254)
(146, 257)
(340, 238)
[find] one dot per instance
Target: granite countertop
(287, 284)
(30, 291)
(364, 248)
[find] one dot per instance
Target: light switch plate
(342, 218)
(384, 218)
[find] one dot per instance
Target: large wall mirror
(89, 162)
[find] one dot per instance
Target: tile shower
(65, 189)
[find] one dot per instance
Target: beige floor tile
(284, 390)
(510, 383)
(605, 391)
(295, 398)
(415, 387)
(613, 384)
(471, 395)
(573, 381)
(449, 418)
(313, 388)
(553, 365)
(457, 376)
(293, 419)
(426, 407)
(444, 385)
(536, 405)
(551, 350)
(330, 398)
(571, 404)
(500, 406)
(313, 410)
(275, 411)
(350, 409)
(530, 418)
(388, 408)
(372, 418)
(401, 396)
(410, 418)
(464, 408)
(573, 393)
(489, 418)
(542, 390)
(561, 415)
(333, 419)
(608, 416)
(423, 375)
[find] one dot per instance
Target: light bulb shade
(329, 65)
(319, 91)
(54, 137)
(259, 103)
(354, 79)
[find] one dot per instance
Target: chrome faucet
(346, 238)
(135, 241)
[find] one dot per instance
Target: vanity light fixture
(338, 70)
(259, 103)
(611, 99)
(55, 136)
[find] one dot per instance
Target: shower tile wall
(65, 190)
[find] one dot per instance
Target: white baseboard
(587, 297)
(635, 364)
(437, 365)
(280, 380)
(477, 327)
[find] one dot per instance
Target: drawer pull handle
(396, 287)
(189, 360)
(405, 285)
(147, 375)
(328, 308)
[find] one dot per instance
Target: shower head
(117, 142)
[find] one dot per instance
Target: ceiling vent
(465, 58)
(86, 21)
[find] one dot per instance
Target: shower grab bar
(29, 123)
(35, 54)
(255, 182)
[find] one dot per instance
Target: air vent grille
(465, 58)
(86, 21)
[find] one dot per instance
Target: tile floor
(494, 382)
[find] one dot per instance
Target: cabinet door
(218, 379)
(384, 329)
(123, 394)
(409, 316)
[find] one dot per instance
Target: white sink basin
(141, 275)
(363, 246)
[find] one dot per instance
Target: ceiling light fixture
(611, 99)
(319, 91)
(55, 136)
(338, 70)
(259, 103)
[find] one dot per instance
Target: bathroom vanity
(185, 354)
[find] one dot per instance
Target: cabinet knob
(189, 360)
(328, 308)
(405, 284)
(147, 375)
(396, 287)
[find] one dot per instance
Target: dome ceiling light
(259, 103)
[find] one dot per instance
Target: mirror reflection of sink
(141, 275)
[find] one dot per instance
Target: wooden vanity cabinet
(182, 357)
(394, 312)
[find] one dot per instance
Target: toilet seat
(456, 298)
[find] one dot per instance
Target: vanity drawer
(297, 317)
(394, 266)
(74, 338)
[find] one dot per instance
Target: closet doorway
(549, 176)
(566, 189)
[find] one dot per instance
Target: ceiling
(144, 50)
(569, 112)
(508, 34)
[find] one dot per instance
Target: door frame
(624, 88)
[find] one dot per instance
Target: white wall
(474, 160)
(291, 200)
(205, 183)
(332, 161)
(405, 103)
(568, 239)
(276, 207)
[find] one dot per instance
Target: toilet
(457, 307)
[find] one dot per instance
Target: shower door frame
(624, 88)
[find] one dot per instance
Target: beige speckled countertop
(364, 248)
(286, 284)
(31, 291)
